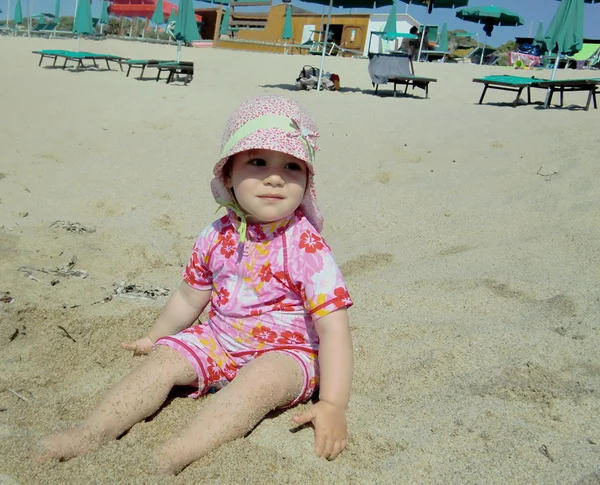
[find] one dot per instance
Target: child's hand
(330, 426)
(139, 347)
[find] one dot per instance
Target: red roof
(141, 8)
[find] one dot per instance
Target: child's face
(268, 185)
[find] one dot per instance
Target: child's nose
(274, 178)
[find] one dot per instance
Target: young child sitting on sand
(277, 326)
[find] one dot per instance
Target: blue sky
(531, 10)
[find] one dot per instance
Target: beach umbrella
(158, 17)
(565, 33)
(104, 14)
(431, 4)
(490, 16)
(18, 19)
(83, 19)
(225, 22)
(57, 11)
(186, 28)
(443, 44)
(286, 33)
(390, 25)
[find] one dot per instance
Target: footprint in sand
(365, 263)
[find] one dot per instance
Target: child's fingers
(320, 443)
(304, 418)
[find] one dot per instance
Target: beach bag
(309, 78)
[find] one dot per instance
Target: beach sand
(469, 237)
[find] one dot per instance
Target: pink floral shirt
(268, 291)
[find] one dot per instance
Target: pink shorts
(216, 367)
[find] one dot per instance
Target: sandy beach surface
(469, 237)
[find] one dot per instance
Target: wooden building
(261, 31)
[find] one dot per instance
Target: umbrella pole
(178, 50)
(324, 46)
(421, 45)
(7, 13)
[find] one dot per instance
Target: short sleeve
(320, 280)
(197, 273)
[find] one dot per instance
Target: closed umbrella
(565, 33)
(539, 36)
(390, 25)
(172, 16)
(287, 33)
(18, 13)
(158, 17)
(443, 44)
(57, 11)
(186, 28)
(103, 15)
(83, 19)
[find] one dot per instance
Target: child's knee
(173, 364)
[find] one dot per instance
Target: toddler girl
(277, 325)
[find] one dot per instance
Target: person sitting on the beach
(277, 326)
(410, 46)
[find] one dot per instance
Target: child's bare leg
(268, 382)
(138, 395)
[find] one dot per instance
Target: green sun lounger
(508, 83)
(518, 84)
(142, 64)
(78, 58)
(176, 68)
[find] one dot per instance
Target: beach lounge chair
(141, 64)
(78, 58)
(518, 84)
(591, 85)
(397, 69)
(585, 57)
(176, 68)
(508, 83)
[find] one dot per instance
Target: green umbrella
(225, 22)
(18, 13)
(390, 25)
(83, 19)
(565, 33)
(490, 16)
(443, 44)
(430, 4)
(158, 17)
(104, 14)
(286, 34)
(186, 28)
(172, 16)
(539, 35)
(57, 11)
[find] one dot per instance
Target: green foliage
(510, 46)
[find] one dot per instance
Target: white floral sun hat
(271, 123)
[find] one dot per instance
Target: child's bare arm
(337, 365)
(183, 308)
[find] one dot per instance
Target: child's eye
(293, 166)
(258, 162)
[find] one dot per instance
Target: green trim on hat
(264, 123)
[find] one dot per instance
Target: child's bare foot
(68, 444)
